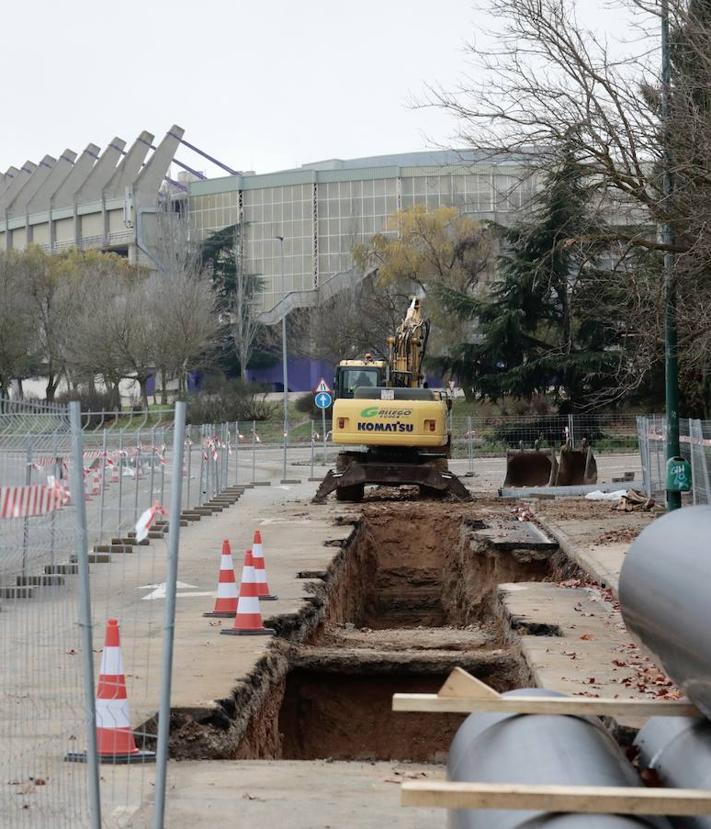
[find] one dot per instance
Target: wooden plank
(461, 683)
(586, 799)
(590, 706)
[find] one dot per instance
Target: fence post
(26, 521)
(58, 475)
(254, 451)
(226, 456)
(323, 431)
(137, 465)
(120, 483)
(103, 486)
(699, 435)
(661, 472)
(153, 464)
(236, 452)
(77, 492)
(188, 468)
(644, 456)
(202, 463)
(164, 452)
(169, 619)
(692, 459)
(312, 449)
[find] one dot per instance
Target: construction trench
(409, 595)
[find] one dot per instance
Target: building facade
(106, 200)
(298, 227)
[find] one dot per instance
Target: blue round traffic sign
(323, 400)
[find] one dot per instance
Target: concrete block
(40, 581)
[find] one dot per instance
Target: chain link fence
(42, 712)
(128, 467)
(695, 442)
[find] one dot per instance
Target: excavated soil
(409, 597)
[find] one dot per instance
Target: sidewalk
(593, 535)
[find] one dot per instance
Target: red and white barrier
(30, 501)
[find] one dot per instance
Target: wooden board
(576, 799)
(590, 706)
(463, 693)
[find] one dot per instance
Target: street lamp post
(285, 372)
(670, 339)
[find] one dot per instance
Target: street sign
(323, 400)
(322, 386)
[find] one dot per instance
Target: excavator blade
(534, 467)
(577, 467)
(349, 485)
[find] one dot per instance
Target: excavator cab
(354, 374)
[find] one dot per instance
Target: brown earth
(413, 593)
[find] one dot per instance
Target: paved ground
(297, 794)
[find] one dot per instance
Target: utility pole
(285, 375)
(671, 367)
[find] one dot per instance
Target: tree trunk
(163, 389)
(116, 394)
(143, 383)
(52, 383)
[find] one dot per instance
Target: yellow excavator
(398, 427)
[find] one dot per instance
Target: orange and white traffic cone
(260, 571)
(114, 736)
(248, 621)
(226, 601)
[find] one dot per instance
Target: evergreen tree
(538, 330)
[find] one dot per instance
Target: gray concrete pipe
(678, 749)
(664, 593)
(539, 749)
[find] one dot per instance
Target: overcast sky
(261, 84)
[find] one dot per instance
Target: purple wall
(304, 374)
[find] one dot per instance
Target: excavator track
(349, 483)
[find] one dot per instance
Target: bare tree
(43, 275)
(183, 321)
(243, 311)
(546, 81)
(353, 322)
(17, 341)
(101, 325)
(181, 303)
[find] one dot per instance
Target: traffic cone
(248, 621)
(260, 570)
(226, 601)
(114, 736)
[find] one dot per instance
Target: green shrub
(229, 400)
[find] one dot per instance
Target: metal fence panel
(42, 711)
(695, 444)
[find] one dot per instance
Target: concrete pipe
(664, 593)
(678, 749)
(539, 749)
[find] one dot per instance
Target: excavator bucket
(530, 467)
(577, 466)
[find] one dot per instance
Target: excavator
(395, 427)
